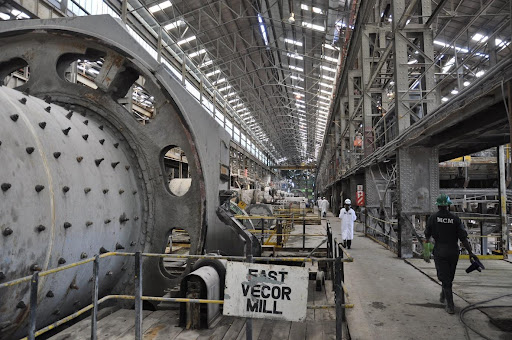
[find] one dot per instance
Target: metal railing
(338, 286)
(336, 250)
(282, 231)
(371, 232)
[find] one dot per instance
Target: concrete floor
(397, 299)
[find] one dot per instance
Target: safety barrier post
(262, 231)
(138, 296)
(95, 288)
(249, 259)
(303, 234)
(279, 237)
(339, 296)
(34, 282)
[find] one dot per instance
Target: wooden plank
(189, 334)
(165, 329)
(329, 328)
(314, 330)
(320, 299)
(110, 329)
(235, 329)
(220, 329)
(266, 330)
(257, 325)
(310, 313)
(297, 331)
(147, 323)
(83, 325)
(330, 325)
(281, 330)
(329, 293)
(83, 333)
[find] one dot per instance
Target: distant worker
(323, 205)
(348, 216)
(446, 229)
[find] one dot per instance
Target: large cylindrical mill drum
(69, 190)
(80, 176)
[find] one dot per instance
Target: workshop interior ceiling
(274, 62)
(273, 66)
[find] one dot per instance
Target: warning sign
(360, 198)
(242, 205)
(266, 291)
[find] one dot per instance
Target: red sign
(359, 198)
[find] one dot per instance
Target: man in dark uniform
(446, 229)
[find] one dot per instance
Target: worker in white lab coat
(348, 216)
(323, 205)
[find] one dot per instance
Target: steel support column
(366, 66)
(353, 107)
(418, 170)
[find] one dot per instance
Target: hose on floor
(478, 306)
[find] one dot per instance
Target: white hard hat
(348, 201)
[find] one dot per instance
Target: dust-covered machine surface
(81, 176)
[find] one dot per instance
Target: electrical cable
(476, 306)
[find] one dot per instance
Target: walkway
(397, 299)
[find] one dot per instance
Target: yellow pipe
(118, 297)
(483, 257)
(46, 272)
(152, 298)
(288, 234)
(284, 218)
(379, 242)
(233, 258)
(71, 265)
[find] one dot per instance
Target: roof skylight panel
(186, 40)
(175, 24)
(295, 68)
(212, 73)
(293, 42)
(195, 54)
(330, 47)
(330, 69)
(294, 56)
(159, 7)
(313, 26)
(225, 88)
(327, 77)
(206, 63)
(326, 85)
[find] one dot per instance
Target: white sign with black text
(266, 291)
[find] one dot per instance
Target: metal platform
(163, 324)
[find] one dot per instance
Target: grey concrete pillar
(418, 187)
